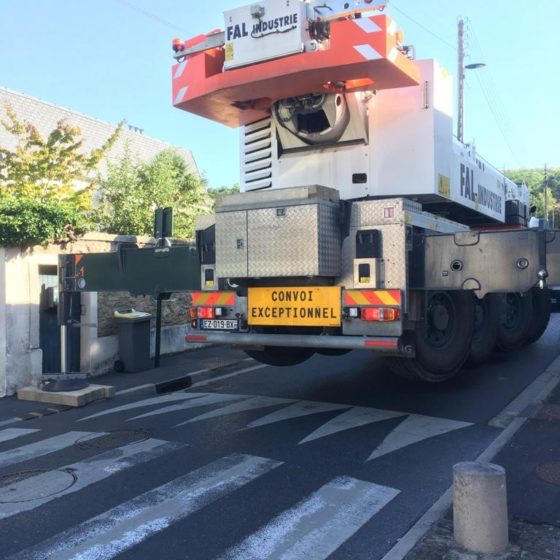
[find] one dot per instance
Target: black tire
(442, 340)
(486, 325)
(516, 318)
(542, 307)
(118, 366)
(280, 356)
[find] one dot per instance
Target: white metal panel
(332, 167)
(403, 130)
(263, 31)
(257, 154)
(476, 184)
(409, 151)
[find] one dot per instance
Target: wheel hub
(439, 320)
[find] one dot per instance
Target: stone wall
(20, 354)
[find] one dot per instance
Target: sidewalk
(178, 371)
(532, 463)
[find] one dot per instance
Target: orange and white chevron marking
(372, 297)
(213, 298)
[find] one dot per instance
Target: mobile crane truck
(363, 223)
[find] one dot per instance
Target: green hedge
(25, 223)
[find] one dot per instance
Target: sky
(111, 59)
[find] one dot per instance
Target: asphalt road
(335, 458)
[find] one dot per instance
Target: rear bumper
(385, 345)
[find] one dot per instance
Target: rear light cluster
(206, 312)
(379, 314)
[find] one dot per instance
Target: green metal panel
(147, 271)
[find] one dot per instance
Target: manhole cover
(549, 472)
(113, 439)
(25, 486)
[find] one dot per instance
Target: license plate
(298, 307)
(219, 324)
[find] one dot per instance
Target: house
(29, 335)
(45, 117)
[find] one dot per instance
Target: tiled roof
(45, 116)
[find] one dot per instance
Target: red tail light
(380, 314)
(206, 312)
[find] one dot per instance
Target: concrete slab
(69, 398)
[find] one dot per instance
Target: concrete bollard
(480, 518)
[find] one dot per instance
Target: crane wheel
(542, 307)
(442, 340)
(515, 322)
(486, 325)
(280, 356)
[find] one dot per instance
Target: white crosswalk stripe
(318, 525)
(195, 403)
(32, 492)
(43, 447)
(353, 418)
(414, 429)
(13, 433)
(243, 406)
(162, 399)
(297, 410)
(124, 526)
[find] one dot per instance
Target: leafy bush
(46, 183)
(24, 223)
(132, 191)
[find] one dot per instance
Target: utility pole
(460, 78)
(545, 193)
(461, 67)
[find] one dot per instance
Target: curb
(537, 391)
(186, 381)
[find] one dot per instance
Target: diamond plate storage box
(279, 233)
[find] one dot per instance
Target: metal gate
(49, 330)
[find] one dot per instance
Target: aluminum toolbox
(279, 233)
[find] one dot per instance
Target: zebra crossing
(412, 428)
(313, 528)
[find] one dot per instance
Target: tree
(46, 183)
(133, 191)
(51, 169)
(215, 193)
(535, 179)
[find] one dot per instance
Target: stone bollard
(480, 519)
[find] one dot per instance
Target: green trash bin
(134, 340)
